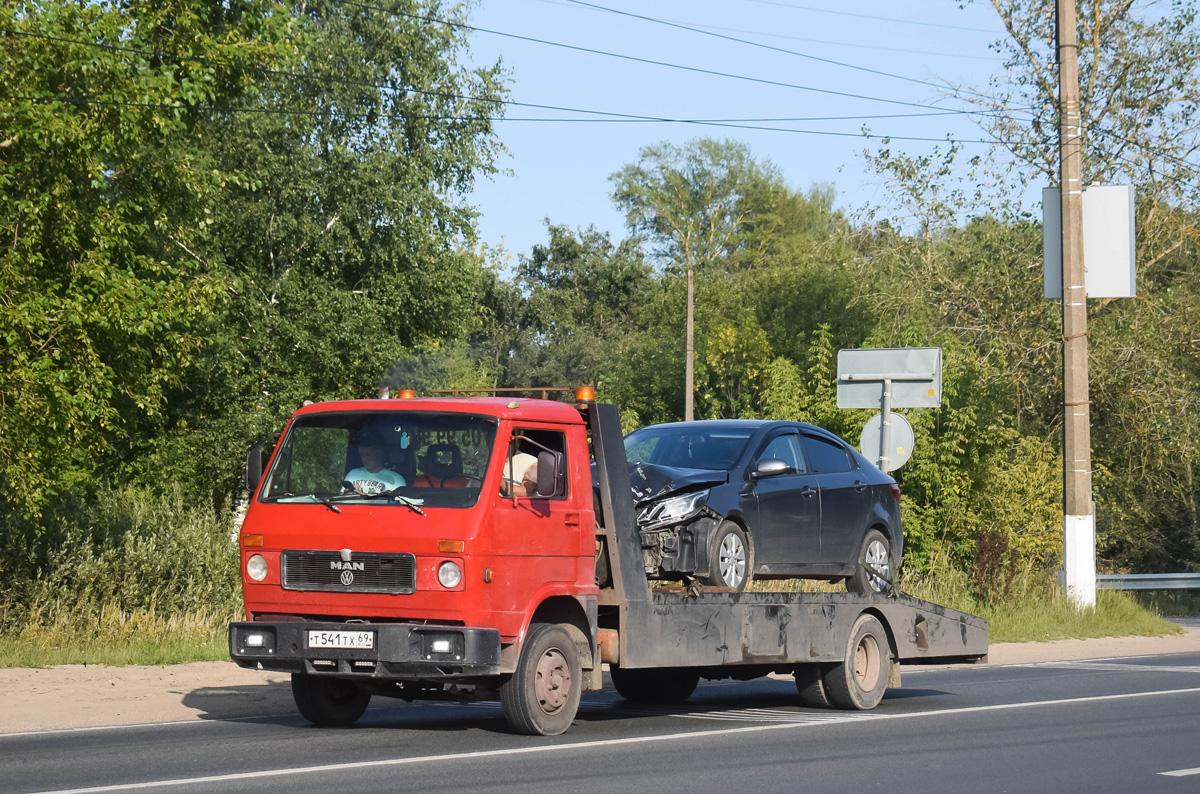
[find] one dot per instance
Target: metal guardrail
(1149, 581)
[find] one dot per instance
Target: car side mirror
(549, 474)
(770, 467)
(254, 468)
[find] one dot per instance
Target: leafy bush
(124, 553)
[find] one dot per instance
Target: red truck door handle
(571, 519)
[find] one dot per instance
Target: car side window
(825, 456)
(784, 448)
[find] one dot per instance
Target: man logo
(347, 566)
(347, 578)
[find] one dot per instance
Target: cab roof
(518, 409)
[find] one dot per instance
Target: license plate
(341, 639)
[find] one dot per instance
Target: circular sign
(900, 442)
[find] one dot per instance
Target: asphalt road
(1113, 725)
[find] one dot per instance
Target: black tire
(877, 550)
(542, 696)
(858, 682)
(328, 701)
(730, 558)
(810, 687)
(665, 685)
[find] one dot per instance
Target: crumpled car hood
(651, 482)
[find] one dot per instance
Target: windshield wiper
(393, 495)
(325, 500)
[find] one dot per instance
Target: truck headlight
(672, 511)
(449, 574)
(256, 568)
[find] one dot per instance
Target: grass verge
(1035, 608)
(119, 638)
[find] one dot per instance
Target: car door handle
(808, 492)
(859, 485)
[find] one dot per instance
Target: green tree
(692, 204)
(348, 245)
(103, 193)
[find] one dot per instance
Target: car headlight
(671, 511)
(256, 568)
(449, 574)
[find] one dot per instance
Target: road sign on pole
(899, 377)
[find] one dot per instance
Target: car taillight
(895, 491)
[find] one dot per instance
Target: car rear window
(825, 456)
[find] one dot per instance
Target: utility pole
(1079, 521)
(691, 347)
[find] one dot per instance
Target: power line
(345, 116)
(652, 62)
(760, 45)
(829, 42)
(617, 116)
(869, 16)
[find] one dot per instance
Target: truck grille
(367, 572)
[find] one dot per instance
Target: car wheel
(328, 701)
(859, 680)
(729, 558)
(876, 550)
(659, 685)
(541, 697)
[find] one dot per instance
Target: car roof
(738, 424)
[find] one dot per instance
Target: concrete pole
(1079, 521)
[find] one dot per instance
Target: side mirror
(254, 468)
(549, 474)
(771, 467)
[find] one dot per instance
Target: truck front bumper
(396, 651)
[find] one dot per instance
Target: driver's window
(785, 448)
(520, 474)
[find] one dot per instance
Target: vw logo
(347, 578)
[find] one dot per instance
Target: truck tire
(810, 687)
(664, 685)
(542, 695)
(730, 560)
(328, 701)
(877, 550)
(857, 683)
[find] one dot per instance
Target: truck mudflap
(718, 629)
(387, 651)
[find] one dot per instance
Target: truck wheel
(328, 701)
(665, 685)
(877, 551)
(810, 686)
(857, 683)
(542, 696)
(729, 559)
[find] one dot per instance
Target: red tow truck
(457, 549)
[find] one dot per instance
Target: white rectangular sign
(915, 372)
(1109, 247)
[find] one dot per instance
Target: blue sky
(560, 170)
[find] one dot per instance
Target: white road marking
(1182, 772)
(555, 748)
(1117, 667)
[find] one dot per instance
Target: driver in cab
(372, 477)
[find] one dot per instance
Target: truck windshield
(409, 457)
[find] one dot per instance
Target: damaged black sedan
(728, 501)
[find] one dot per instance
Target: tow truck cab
(437, 577)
